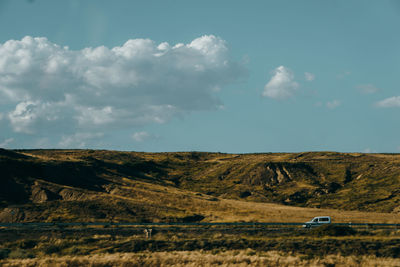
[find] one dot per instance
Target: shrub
(27, 244)
(20, 254)
(333, 230)
(245, 194)
(193, 218)
(52, 249)
(73, 251)
(4, 253)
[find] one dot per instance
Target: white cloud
(78, 140)
(330, 104)
(281, 85)
(309, 76)
(6, 142)
(43, 143)
(343, 74)
(367, 88)
(390, 102)
(367, 150)
(142, 136)
(58, 91)
(333, 104)
(319, 104)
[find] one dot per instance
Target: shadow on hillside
(18, 173)
(136, 169)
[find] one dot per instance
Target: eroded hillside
(68, 185)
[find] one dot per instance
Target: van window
(323, 219)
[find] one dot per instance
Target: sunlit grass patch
(204, 258)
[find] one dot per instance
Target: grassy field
(110, 186)
(145, 202)
(246, 257)
(342, 246)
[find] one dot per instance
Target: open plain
(110, 187)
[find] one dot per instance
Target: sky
(221, 76)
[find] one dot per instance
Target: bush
(52, 249)
(73, 251)
(4, 253)
(333, 230)
(245, 194)
(27, 244)
(20, 254)
(193, 218)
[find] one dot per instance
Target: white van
(317, 221)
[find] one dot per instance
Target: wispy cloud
(390, 102)
(142, 136)
(367, 150)
(78, 140)
(343, 75)
(6, 142)
(330, 104)
(367, 88)
(309, 76)
(333, 104)
(281, 85)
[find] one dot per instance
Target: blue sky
(227, 76)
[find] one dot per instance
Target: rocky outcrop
(74, 195)
(9, 215)
(269, 174)
(40, 194)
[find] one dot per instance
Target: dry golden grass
(228, 210)
(169, 202)
(202, 258)
(267, 212)
(163, 187)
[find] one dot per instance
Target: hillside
(96, 185)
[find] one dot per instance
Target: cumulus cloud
(390, 102)
(333, 104)
(56, 90)
(281, 84)
(309, 76)
(367, 88)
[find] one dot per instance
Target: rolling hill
(99, 185)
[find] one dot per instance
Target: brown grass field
(112, 186)
(204, 246)
(246, 257)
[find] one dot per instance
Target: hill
(98, 185)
